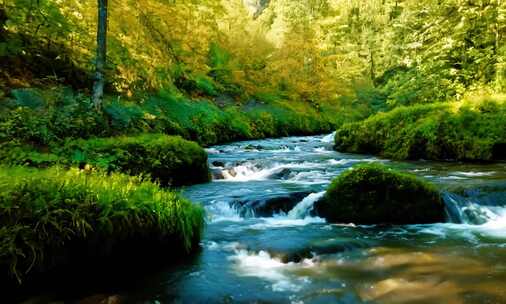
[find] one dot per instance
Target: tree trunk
(3, 20)
(98, 87)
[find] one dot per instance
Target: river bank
(473, 129)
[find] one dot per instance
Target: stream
(261, 244)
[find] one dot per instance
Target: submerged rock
(375, 194)
(218, 163)
(283, 174)
(217, 173)
(268, 206)
(253, 147)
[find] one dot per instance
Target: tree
(98, 87)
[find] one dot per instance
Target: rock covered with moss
(170, 160)
(375, 194)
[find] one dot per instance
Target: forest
(148, 130)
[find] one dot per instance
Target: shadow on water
(110, 280)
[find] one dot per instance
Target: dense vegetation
(53, 218)
(474, 131)
(400, 78)
(375, 194)
(324, 61)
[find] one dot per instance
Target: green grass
(376, 194)
(44, 213)
(474, 130)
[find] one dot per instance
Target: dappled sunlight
(399, 275)
(399, 290)
(430, 276)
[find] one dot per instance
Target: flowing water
(262, 245)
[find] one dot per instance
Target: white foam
(474, 174)
(283, 221)
(309, 177)
(220, 211)
(329, 138)
(346, 161)
(253, 172)
(452, 177)
(263, 265)
(422, 170)
(341, 161)
(322, 150)
(496, 226)
(212, 151)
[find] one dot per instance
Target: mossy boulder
(375, 194)
(171, 160)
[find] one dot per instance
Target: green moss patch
(375, 194)
(53, 218)
(170, 160)
(474, 132)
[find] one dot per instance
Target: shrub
(170, 160)
(52, 218)
(375, 194)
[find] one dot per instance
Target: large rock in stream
(375, 194)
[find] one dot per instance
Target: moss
(170, 160)
(457, 131)
(53, 218)
(375, 194)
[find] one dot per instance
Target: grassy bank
(472, 130)
(41, 128)
(57, 125)
(49, 116)
(54, 218)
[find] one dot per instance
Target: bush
(170, 160)
(375, 194)
(53, 218)
(460, 131)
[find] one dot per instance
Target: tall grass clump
(53, 218)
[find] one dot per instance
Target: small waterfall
(329, 138)
(304, 208)
(474, 207)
